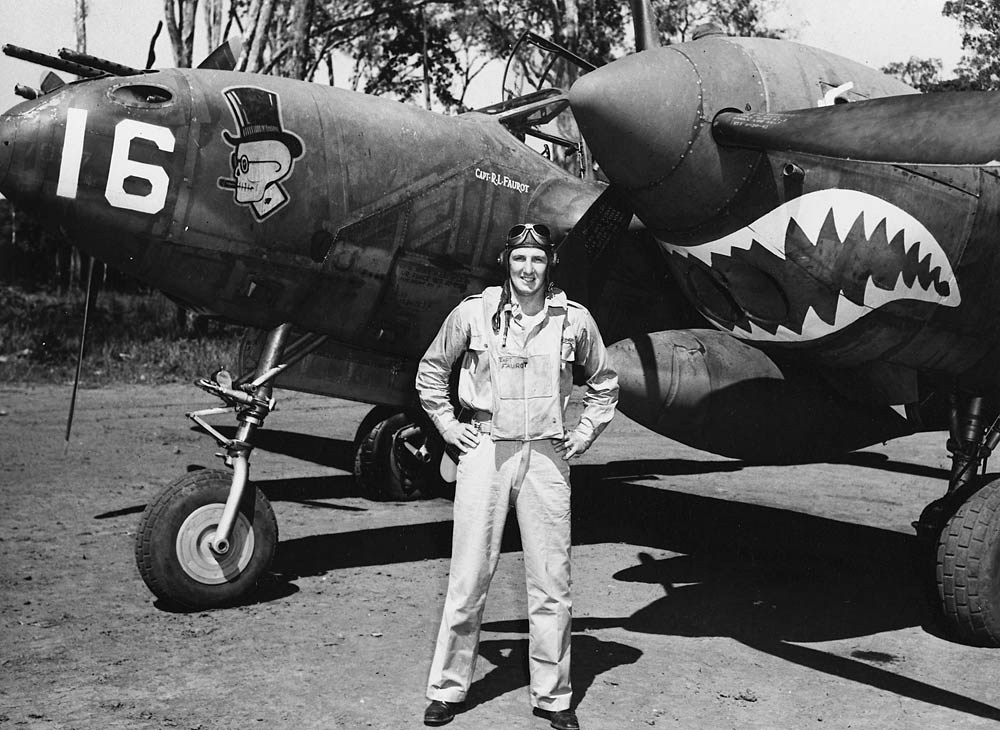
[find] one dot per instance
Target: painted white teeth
(810, 213)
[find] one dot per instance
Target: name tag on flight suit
(525, 376)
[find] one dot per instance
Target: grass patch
(131, 338)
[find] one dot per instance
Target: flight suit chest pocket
(476, 352)
(477, 342)
(525, 376)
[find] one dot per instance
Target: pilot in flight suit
(518, 345)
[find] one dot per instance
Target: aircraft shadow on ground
(761, 575)
(742, 570)
(874, 460)
(317, 554)
(336, 453)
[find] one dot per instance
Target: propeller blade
(225, 56)
(79, 357)
(946, 128)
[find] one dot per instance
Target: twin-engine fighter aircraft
(795, 257)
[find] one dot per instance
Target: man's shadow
(590, 657)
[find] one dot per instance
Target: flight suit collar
(557, 300)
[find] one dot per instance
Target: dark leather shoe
(441, 713)
(560, 719)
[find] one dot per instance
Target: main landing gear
(959, 534)
(396, 456)
(209, 537)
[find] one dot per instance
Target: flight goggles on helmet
(533, 235)
(529, 234)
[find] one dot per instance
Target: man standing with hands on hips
(518, 343)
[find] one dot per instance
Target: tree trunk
(249, 34)
(80, 23)
(302, 11)
(212, 12)
(180, 16)
(262, 23)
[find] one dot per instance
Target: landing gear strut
(960, 532)
(208, 538)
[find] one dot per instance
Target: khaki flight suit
(518, 388)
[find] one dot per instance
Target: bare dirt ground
(708, 593)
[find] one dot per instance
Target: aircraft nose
(8, 131)
(25, 150)
(648, 120)
(639, 114)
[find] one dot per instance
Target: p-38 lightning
(796, 256)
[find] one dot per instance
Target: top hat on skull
(263, 152)
(256, 112)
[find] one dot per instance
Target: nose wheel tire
(173, 548)
(968, 568)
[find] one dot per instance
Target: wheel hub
(411, 452)
(194, 546)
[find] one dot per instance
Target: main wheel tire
(384, 468)
(172, 547)
(375, 416)
(968, 568)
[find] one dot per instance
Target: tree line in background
(979, 68)
(430, 51)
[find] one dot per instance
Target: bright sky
(874, 32)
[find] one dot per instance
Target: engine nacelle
(714, 392)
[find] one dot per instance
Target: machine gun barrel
(101, 64)
(25, 92)
(52, 62)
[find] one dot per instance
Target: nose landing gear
(208, 538)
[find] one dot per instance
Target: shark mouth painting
(830, 257)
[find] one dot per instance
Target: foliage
(404, 49)
(980, 20)
(678, 19)
(433, 49)
(594, 30)
(979, 69)
(30, 254)
(920, 73)
(132, 338)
